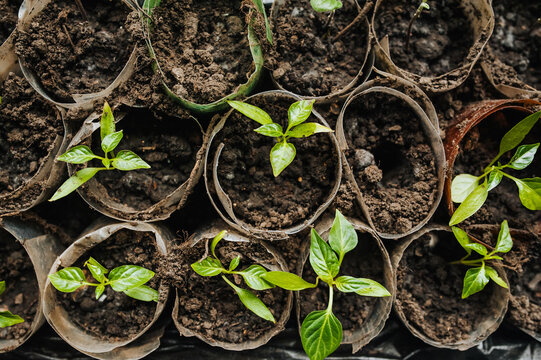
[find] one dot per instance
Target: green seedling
(422, 6)
(6, 317)
(480, 274)
(283, 152)
(261, 8)
(471, 191)
(321, 331)
(212, 266)
(326, 5)
(125, 160)
(129, 279)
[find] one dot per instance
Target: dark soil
(516, 41)
(365, 261)
(477, 150)
(115, 316)
(392, 161)
(215, 56)
(209, 306)
(98, 50)
(169, 145)
(22, 292)
(441, 37)
(245, 171)
(429, 291)
(8, 17)
(29, 129)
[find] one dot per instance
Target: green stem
(331, 295)
(229, 282)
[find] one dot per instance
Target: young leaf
(126, 277)
(281, 155)
(207, 267)
(326, 5)
(111, 141)
(2, 287)
(299, 112)
(322, 258)
(364, 287)
(272, 130)
(251, 111)
(8, 319)
(127, 160)
(494, 179)
(529, 192)
(215, 242)
(505, 242)
(143, 293)
(68, 279)
(478, 248)
(523, 156)
(79, 154)
(287, 280)
(462, 238)
(261, 9)
(321, 334)
(253, 277)
(107, 124)
(473, 202)
(493, 274)
(99, 291)
(97, 270)
(462, 186)
(234, 263)
(305, 130)
(74, 182)
(252, 302)
(514, 137)
(342, 237)
(474, 281)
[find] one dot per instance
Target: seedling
(422, 6)
(283, 153)
(466, 189)
(331, 6)
(6, 317)
(125, 160)
(212, 266)
(480, 274)
(128, 279)
(321, 331)
(326, 5)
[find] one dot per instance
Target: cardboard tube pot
(474, 18)
(313, 64)
(471, 143)
(207, 71)
(362, 317)
(393, 155)
(80, 85)
(428, 296)
(207, 308)
(41, 248)
(240, 182)
(134, 345)
(173, 147)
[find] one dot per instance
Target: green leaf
(252, 277)
(79, 154)
(523, 156)
(74, 182)
(322, 258)
(462, 238)
(2, 287)
(208, 267)
(342, 237)
(111, 141)
(251, 111)
(364, 287)
(321, 334)
(99, 291)
(126, 277)
(470, 205)
(478, 248)
(252, 302)
(305, 130)
(505, 242)
(8, 319)
(150, 5)
(326, 5)
(68, 279)
(234, 263)
(494, 179)
(529, 193)
(143, 293)
(474, 281)
(127, 160)
(299, 112)
(462, 186)
(272, 130)
(281, 155)
(493, 274)
(287, 281)
(215, 242)
(514, 137)
(97, 270)
(107, 124)
(261, 8)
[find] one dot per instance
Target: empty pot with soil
(240, 180)
(319, 55)
(445, 43)
(28, 252)
(8, 18)
(220, 57)
(429, 289)
(394, 157)
(206, 307)
(73, 55)
(114, 326)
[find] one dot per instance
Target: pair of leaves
(6, 317)
(326, 5)
(477, 278)
(503, 244)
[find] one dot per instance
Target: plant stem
(412, 20)
(331, 296)
(358, 18)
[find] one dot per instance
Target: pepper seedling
(480, 274)
(128, 279)
(125, 160)
(6, 317)
(321, 331)
(283, 152)
(422, 6)
(466, 189)
(212, 266)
